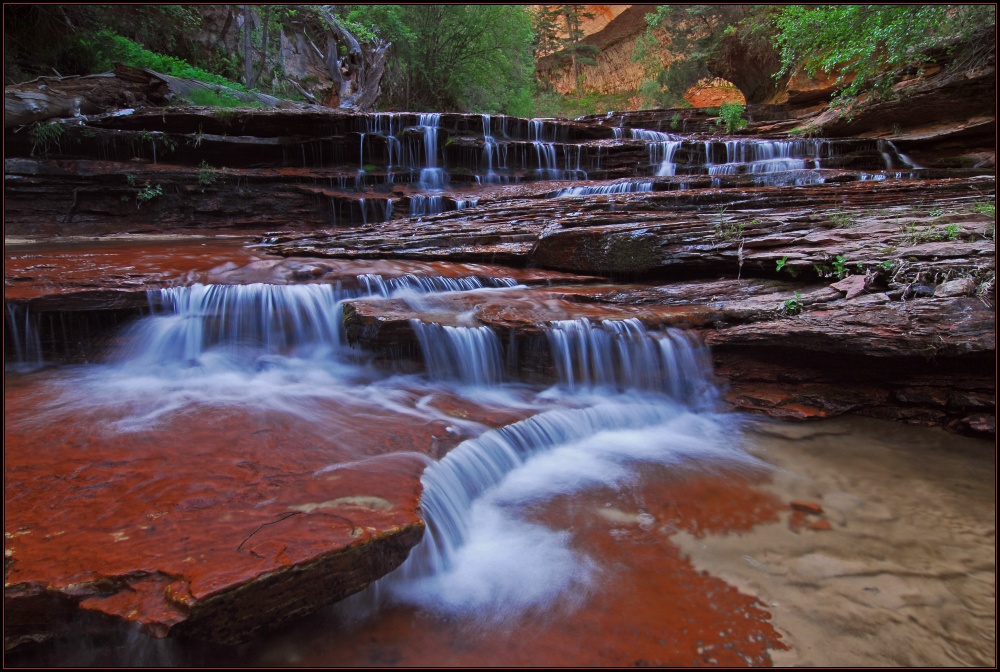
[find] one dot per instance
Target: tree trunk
(263, 48)
(247, 46)
(370, 86)
(358, 75)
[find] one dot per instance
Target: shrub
(732, 116)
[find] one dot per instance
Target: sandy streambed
(906, 573)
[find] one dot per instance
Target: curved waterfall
(641, 397)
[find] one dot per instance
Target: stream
(604, 508)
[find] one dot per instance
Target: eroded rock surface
(843, 280)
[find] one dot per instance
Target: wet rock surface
(829, 277)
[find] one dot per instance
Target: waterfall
(888, 150)
(490, 148)
(468, 355)
(662, 147)
(478, 556)
(376, 285)
(615, 188)
(431, 176)
(241, 321)
(757, 157)
(623, 355)
(23, 332)
(426, 204)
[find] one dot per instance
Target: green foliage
(781, 263)
(839, 265)
(675, 121)
(207, 175)
(148, 193)
(985, 208)
(842, 220)
(836, 267)
(455, 57)
(727, 230)
(916, 234)
(871, 42)
(209, 98)
(698, 35)
(110, 47)
(40, 38)
(552, 104)
(731, 114)
(807, 131)
(794, 305)
(558, 31)
(42, 135)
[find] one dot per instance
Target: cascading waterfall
(243, 323)
(624, 355)
(431, 176)
(426, 204)
(377, 285)
(615, 188)
(770, 156)
(468, 355)
(478, 556)
(662, 147)
(490, 149)
(888, 150)
(24, 335)
(238, 321)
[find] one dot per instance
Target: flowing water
(567, 513)
(551, 522)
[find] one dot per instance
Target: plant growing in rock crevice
(148, 192)
(207, 175)
(44, 134)
(793, 306)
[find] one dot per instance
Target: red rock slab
(137, 263)
(651, 607)
(812, 508)
(378, 323)
(923, 327)
(308, 270)
(216, 524)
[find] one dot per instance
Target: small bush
(986, 208)
(732, 117)
(148, 193)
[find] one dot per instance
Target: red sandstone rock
(852, 285)
(811, 508)
(821, 525)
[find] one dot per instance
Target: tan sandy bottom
(906, 574)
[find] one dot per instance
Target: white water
(615, 188)
(483, 558)
(25, 337)
(626, 397)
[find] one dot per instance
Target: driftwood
(63, 97)
(54, 97)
